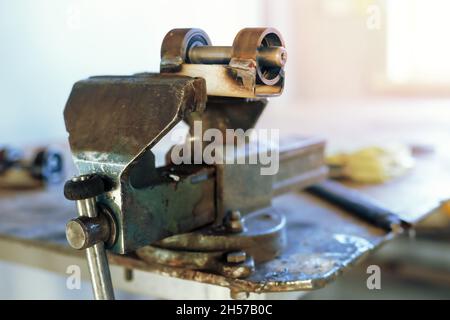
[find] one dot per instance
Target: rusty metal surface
(261, 238)
(214, 262)
(322, 241)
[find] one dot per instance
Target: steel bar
(96, 256)
(358, 204)
(266, 56)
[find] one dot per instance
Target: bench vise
(210, 215)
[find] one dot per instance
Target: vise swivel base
(214, 217)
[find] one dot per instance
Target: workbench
(32, 223)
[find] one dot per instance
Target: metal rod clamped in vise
(266, 56)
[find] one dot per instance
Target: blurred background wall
(47, 45)
(338, 49)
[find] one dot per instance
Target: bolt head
(233, 222)
(76, 234)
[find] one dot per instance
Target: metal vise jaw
(113, 123)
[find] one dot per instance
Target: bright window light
(418, 48)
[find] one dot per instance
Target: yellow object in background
(446, 208)
(373, 164)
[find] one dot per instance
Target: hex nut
(76, 234)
